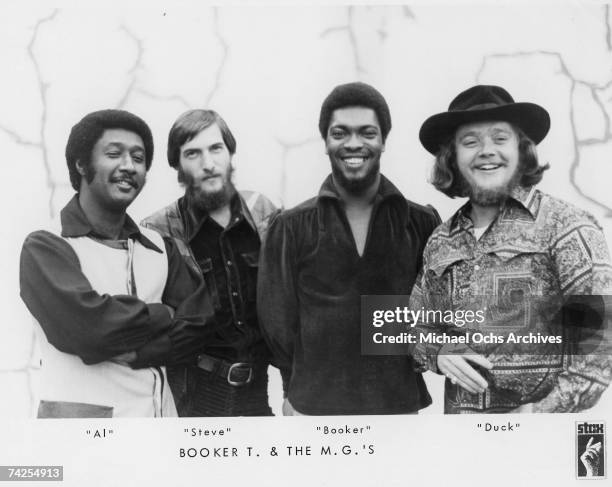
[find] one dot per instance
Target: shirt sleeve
(435, 219)
(190, 328)
(75, 318)
(424, 297)
(585, 273)
(425, 354)
(277, 302)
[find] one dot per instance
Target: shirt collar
(75, 224)
(526, 198)
(194, 218)
(386, 190)
(520, 196)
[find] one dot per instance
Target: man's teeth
(487, 167)
(354, 160)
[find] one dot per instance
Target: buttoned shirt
(536, 256)
(228, 258)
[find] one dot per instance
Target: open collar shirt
(311, 282)
(536, 255)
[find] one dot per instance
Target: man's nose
(487, 147)
(353, 142)
(127, 163)
(207, 162)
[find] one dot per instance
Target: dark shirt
(78, 320)
(311, 280)
(228, 258)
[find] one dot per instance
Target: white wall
(267, 70)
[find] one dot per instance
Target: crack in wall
(224, 58)
(157, 97)
(578, 143)
(137, 65)
(52, 185)
(349, 28)
(608, 29)
(41, 143)
(287, 147)
(28, 369)
(43, 87)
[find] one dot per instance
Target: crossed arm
(97, 327)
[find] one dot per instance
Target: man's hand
(170, 310)
(288, 409)
(591, 458)
(454, 362)
(124, 358)
(523, 408)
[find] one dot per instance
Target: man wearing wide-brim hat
(521, 274)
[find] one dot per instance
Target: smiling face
(488, 160)
(117, 171)
(354, 144)
(205, 166)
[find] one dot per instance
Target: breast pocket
(251, 261)
(517, 285)
(206, 266)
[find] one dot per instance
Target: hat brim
(529, 117)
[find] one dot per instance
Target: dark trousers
(198, 393)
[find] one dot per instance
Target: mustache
(210, 175)
(127, 179)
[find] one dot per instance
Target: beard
(208, 200)
(490, 196)
(356, 186)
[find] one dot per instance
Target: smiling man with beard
(115, 301)
(536, 266)
(219, 231)
(359, 236)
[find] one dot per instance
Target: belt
(237, 374)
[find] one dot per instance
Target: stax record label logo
(591, 455)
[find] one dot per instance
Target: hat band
(483, 106)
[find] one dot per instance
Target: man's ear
(80, 168)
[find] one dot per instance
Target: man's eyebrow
(468, 133)
(121, 145)
(360, 127)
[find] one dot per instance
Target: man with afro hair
(359, 236)
(114, 301)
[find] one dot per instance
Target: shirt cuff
(155, 353)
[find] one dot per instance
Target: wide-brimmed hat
(481, 103)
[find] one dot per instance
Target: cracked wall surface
(267, 70)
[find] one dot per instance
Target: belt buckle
(235, 366)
